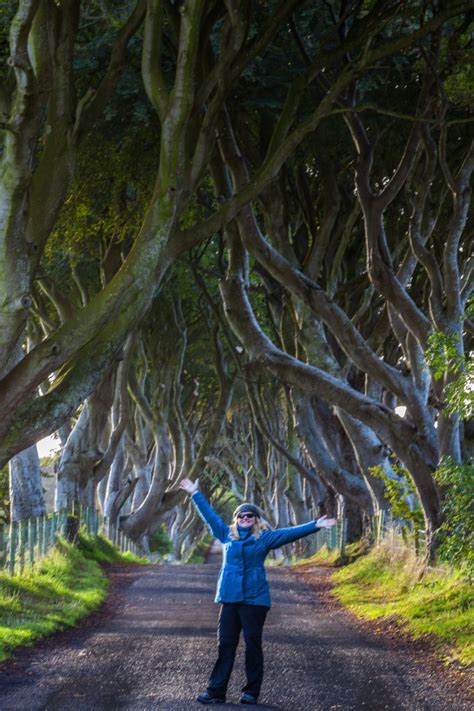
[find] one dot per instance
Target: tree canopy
(234, 244)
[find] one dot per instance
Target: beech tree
(426, 433)
(260, 118)
(188, 95)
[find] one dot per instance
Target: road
(153, 644)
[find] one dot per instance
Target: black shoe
(247, 698)
(206, 698)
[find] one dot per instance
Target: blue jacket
(242, 576)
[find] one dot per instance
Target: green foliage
(457, 531)
(7, 12)
(198, 555)
(443, 357)
(160, 542)
(442, 354)
(460, 393)
(397, 491)
(459, 81)
(106, 204)
(459, 87)
(386, 584)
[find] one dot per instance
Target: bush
(199, 552)
(457, 531)
(398, 491)
(160, 542)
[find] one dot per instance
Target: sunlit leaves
(457, 531)
(443, 354)
(402, 495)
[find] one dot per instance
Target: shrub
(457, 531)
(160, 542)
(399, 492)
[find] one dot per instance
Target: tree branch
(153, 78)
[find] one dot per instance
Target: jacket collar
(244, 533)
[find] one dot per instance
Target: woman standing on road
(242, 589)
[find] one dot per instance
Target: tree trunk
(26, 486)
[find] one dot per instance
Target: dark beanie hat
(246, 508)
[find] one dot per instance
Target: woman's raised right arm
(216, 525)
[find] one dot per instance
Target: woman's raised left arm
(282, 536)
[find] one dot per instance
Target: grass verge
(62, 588)
(386, 584)
(332, 558)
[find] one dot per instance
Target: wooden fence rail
(26, 541)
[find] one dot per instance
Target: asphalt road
(153, 645)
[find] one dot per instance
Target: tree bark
(26, 486)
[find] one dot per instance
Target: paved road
(154, 646)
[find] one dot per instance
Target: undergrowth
(58, 591)
(334, 558)
(386, 583)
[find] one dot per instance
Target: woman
(242, 589)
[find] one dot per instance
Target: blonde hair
(257, 529)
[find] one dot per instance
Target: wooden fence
(396, 533)
(385, 529)
(333, 538)
(25, 542)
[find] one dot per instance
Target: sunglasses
(249, 515)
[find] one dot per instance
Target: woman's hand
(325, 522)
(190, 486)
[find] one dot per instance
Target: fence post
(40, 536)
(21, 543)
(72, 527)
(12, 544)
(44, 537)
(342, 547)
(64, 515)
(3, 550)
(54, 520)
(26, 541)
(31, 539)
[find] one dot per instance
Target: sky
(48, 446)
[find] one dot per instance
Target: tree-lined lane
(156, 651)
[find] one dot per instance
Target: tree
(231, 103)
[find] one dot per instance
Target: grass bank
(62, 588)
(385, 583)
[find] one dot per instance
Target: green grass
(332, 557)
(100, 549)
(384, 584)
(62, 588)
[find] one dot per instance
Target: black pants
(233, 617)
